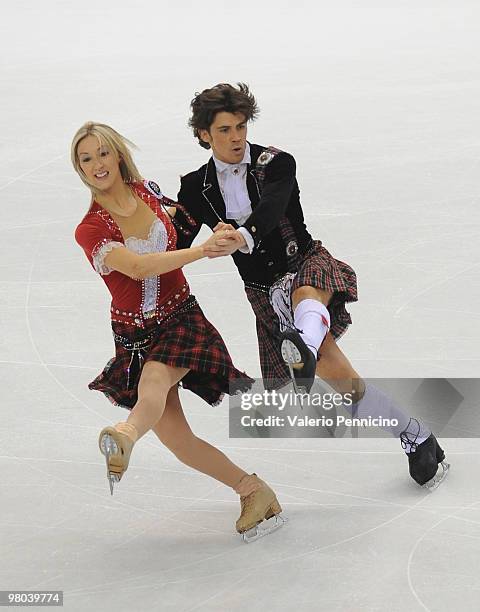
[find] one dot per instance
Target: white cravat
(233, 186)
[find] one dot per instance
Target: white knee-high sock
(312, 318)
(376, 404)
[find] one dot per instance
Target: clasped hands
(224, 241)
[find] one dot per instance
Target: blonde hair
(117, 144)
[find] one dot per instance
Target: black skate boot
(299, 359)
(424, 459)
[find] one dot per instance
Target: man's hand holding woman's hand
(224, 241)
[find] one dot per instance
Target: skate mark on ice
(39, 224)
(50, 365)
(437, 283)
(126, 505)
(119, 584)
(171, 516)
(226, 589)
(418, 542)
(32, 341)
(287, 559)
(15, 179)
(346, 452)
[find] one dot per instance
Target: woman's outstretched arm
(153, 264)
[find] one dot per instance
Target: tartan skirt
(317, 269)
(185, 339)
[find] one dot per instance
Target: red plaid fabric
(186, 339)
(318, 269)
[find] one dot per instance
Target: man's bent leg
(311, 316)
(423, 451)
(299, 345)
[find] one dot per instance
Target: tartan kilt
(317, 269)
(185, 339)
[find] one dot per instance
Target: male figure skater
(297, 290)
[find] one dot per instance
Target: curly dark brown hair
(220, 98)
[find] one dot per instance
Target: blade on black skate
(437, 480)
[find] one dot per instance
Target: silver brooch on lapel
(264, 158)
(292, 248)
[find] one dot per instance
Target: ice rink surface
(379, 104)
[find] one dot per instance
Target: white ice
(379, 103)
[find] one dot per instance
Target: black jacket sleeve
(277, 190)
(188, 199)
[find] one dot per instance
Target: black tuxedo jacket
(200, 195)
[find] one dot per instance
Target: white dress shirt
(232, 179)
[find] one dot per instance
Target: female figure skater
(161, 335)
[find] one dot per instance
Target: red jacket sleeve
(91, 236)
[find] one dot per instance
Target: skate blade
(292, 357)
(297, 390)
(437, 480)
(109, 447)
(263, 529)
(112, 479)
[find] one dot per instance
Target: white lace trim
(99, 257)
(155, 243)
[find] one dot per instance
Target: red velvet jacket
(169, 290)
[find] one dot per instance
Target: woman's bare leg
(257, 500)
(156, 380)
(174, 432)
(116, 443)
